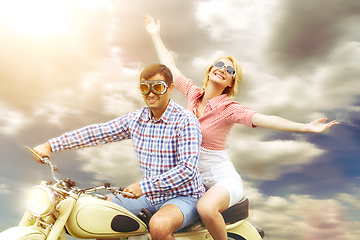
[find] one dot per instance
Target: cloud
(265, 160)
(355, 233)
(337, 83)
(4, 189)
(115, 163)
(68, 72)
(37, 68)
(237, 25)
(311, 84)
(11, 120)
(303, 38)
(351, 199)
(299, 217)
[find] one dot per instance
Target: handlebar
(46, 160)
(106, 186)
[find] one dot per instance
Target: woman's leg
(210, 206)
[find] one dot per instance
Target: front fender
(21, 233)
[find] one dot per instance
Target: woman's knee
(204, 209)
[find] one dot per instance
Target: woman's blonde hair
(231, 92)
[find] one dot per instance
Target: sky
(71, 63)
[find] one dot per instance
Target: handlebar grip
(128, 194)
(45, 159)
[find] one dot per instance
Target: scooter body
(55, 210)
(95, 218)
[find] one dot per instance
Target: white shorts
(216, 168)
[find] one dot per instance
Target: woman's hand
(281, 124)
(318, 126)
(150, 25)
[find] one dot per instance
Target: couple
(175, 146)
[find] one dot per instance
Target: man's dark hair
(156, 68)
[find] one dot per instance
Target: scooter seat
(237, 212)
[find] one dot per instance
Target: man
(166, 138)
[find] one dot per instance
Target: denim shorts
(186, 204)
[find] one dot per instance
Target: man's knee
(165, 222)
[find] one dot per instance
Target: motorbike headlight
(40, 201)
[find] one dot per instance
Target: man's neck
(156, 114)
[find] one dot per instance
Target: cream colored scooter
(57, 209)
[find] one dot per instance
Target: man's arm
(281, 124)
(92, 135)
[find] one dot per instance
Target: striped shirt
(167, 149)
(220, 114)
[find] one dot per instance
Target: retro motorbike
(55, 209)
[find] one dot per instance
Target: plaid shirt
(167, 149)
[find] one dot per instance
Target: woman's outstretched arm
(281, 124)
(163, 53)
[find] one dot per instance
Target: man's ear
(170, 88)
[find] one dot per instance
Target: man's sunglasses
(229, 69)
(158, 87)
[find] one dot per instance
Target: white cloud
(66, 72)
(352, 200)
(337, 83)
(354, 233)
(299, 217)
(12, 120)
(4, 189)
(268, 158)
(114, 162)
(234, 19)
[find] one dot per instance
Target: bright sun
(41, 18)
(36, 17)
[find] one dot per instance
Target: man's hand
(134, 189)
(43, 150)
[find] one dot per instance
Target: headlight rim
(51, 201)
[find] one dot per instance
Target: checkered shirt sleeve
(167, 149)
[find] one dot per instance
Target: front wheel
(22, 233)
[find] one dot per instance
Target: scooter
(60, 208)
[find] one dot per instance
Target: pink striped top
(219, 116)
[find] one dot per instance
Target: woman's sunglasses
(158, 87)
(229, 69)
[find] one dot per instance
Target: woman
(217, 113)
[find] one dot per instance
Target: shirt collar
(215, 100)
(165, 117)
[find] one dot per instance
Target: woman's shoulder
(186, 86)
(230, 105)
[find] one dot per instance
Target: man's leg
(173, 215)
(165, 222)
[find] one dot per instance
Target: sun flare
(37, 17)
(41, 18)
